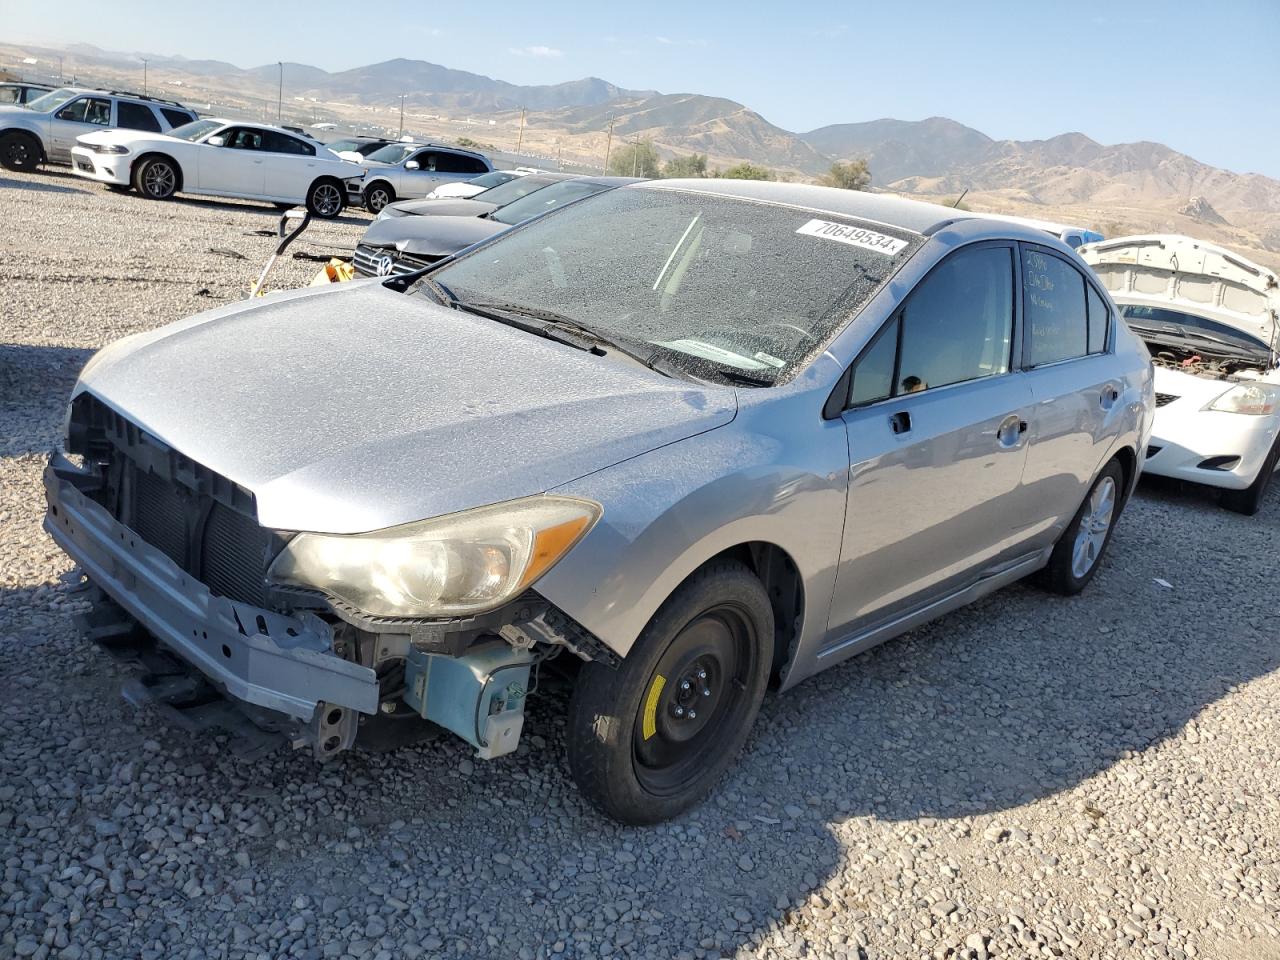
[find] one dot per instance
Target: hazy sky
(1202, 77)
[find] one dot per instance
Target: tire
(638, 747)
(377, 196)
(156, 178)
(19, 151)
(1079, 550)
(326, 199)
(1249, 500)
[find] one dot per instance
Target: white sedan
(1211, 320)
(219, 158)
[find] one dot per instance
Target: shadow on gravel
(37, 186)
(352, 216)
(35, 385)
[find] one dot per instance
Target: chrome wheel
(326, 200)
(159, 180)
(1094, 526)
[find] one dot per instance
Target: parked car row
(673, 441)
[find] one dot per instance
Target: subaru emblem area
(385, 265)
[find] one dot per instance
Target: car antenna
(961, 197)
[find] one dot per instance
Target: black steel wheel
(18, 151)
(649, 739)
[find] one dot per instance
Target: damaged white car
(1210, 319)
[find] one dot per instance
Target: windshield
(504, 193)
(1162, 321)
(548, 198)
(52, 100)
(710, 284)
(393, 152)
(195, 129)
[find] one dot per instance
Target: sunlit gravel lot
(1033, 776)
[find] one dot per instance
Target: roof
(915, 215)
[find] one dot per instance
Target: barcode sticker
(853, 236)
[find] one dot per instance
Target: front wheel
(648, 739)
(1078, 551)
(156, 179)
(325, 199)
(1249, 500)
(18, 152)
(378, 196)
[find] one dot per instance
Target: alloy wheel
(1094, 525)
(159, 180)
(326, 200)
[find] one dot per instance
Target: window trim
(845, 383)
(1088, 283)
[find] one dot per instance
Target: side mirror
(217, 141)
(412, 165)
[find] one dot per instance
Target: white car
(1211, 320)
(219, 158)
(469, 188)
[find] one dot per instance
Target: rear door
(290, 165)
(82, 115)
(1067, 340)
(936, 423)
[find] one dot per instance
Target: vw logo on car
(385, 265)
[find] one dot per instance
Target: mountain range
(1140, 185)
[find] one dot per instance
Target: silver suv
(406, 171)
(45, 129)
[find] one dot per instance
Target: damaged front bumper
(279, 663)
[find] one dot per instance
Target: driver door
(237, 165)
(80, 116)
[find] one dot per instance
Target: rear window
(136, 116)
(458, 163)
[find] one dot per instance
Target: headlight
(1255, 399)
(462, 564)
(109, 148)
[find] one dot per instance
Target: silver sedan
(684, 437)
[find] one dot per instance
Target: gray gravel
(1031, 777)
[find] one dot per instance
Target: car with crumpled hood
(667, 446)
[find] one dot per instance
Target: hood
(1202, 390)
(441, 207)
(430, 236)
(1191, 276)
(353, 408)
(124, 135)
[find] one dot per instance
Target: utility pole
(608, 144)
(559, 155)
(401, 133)
(280, 93)
(635, 156)
(144, 73)
(59, 69)
(520, 139)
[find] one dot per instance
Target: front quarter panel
(776, 474)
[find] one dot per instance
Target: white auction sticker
(853, 236)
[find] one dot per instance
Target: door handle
(900, 422)
(1011, 430)
(1109, 396)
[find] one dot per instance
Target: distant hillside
(723, 129)
(902, 148)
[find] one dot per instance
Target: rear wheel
(18, 151)
(378, 196)
(649, 739)
(325, 199)
(1078, 551)
(156, 178)
(1249, 500)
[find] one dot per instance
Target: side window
(283, 143)
(957, 325)
(426, 161)
(1099, 316)
(10, 94)
(88, 110)
(1054, 306)
(176, 118)
(136, 116)
(873, 373)
(459, 163)
(243, 138)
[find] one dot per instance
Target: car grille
(1163, 398)
(200, 520)
(367, 261)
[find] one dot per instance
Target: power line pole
(401, 133)
(280, 93)
(144, 73)
(59, 69)
(520, 139)
(608, 144)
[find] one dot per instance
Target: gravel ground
(1093, 777)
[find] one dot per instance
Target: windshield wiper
(1172, 334)
(734, 375)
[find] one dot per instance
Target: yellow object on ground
(335, 271)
